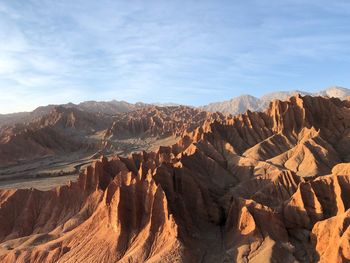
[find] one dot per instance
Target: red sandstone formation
(258, 187)
(159, 121)
(67, 130)
(62, 131)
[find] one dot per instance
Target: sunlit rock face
(269, 186)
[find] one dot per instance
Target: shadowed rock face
(258, 187)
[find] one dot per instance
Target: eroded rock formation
(268, 186)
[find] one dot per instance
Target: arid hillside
(270, 186)
(65, 138)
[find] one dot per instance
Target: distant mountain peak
(241, 104)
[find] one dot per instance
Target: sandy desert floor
(51, 171)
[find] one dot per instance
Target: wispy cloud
(183, 51)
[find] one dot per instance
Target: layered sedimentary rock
(257, 187)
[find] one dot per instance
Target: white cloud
(58, 51)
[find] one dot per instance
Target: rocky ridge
(68, 130)
(256, 187)
(241, 104)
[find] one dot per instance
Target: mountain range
(236, 105)
(106, 107)
(266, 186)
(243, 103)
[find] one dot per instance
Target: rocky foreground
(257, 187)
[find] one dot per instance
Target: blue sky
(190, 52)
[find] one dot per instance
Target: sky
(188, 52)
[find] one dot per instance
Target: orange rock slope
(257, 187)
(69, 130)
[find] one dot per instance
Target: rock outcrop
(66, 130)
(257, 187)
(159, 121)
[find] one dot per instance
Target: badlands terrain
(66, 139)
(177, 184)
